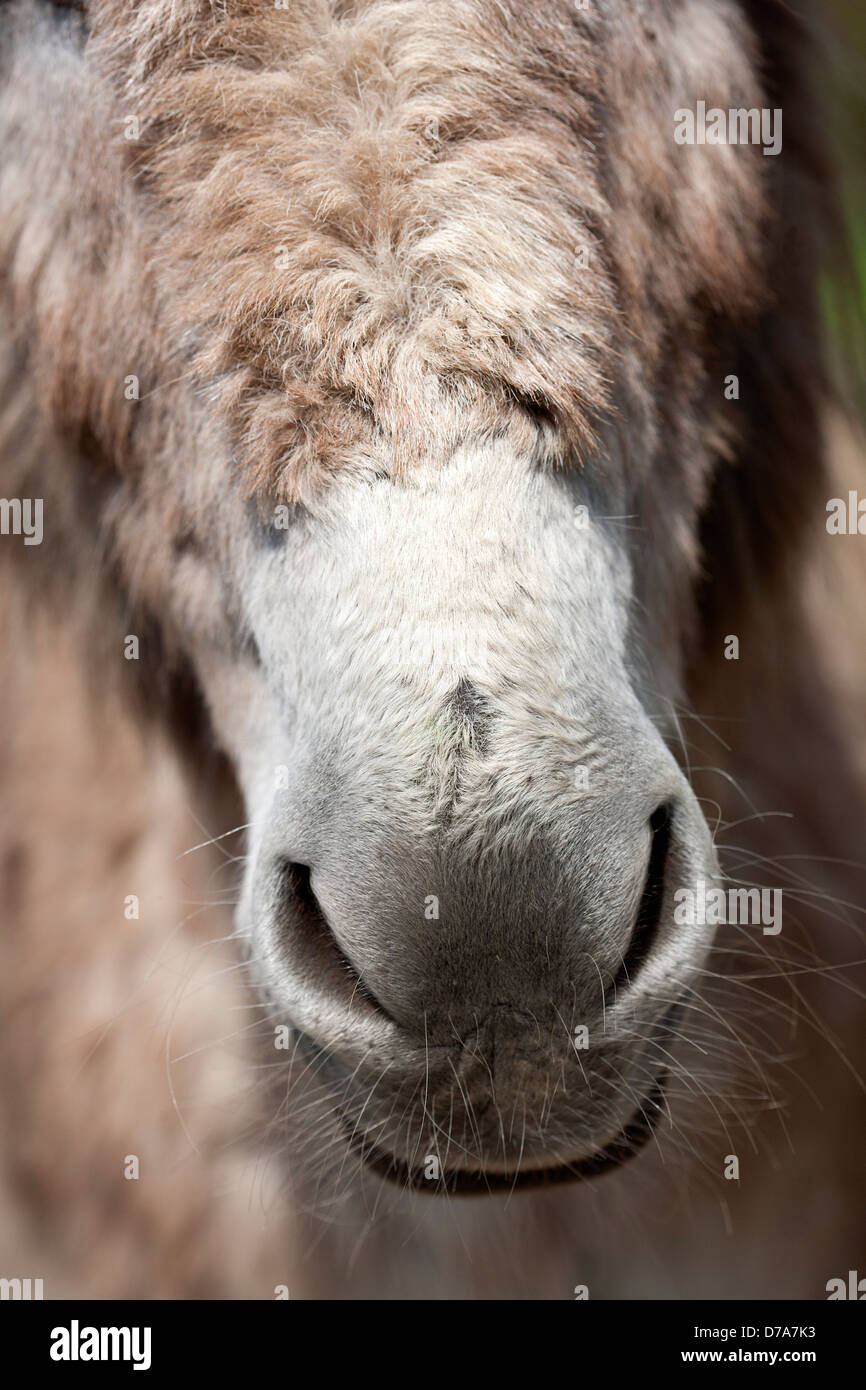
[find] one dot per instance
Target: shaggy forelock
(368, 218)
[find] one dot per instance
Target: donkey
(416, 420)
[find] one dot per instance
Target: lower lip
(480, 1182)
(469, 1183)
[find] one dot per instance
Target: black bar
(224, 1338)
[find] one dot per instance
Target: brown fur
(307, 133)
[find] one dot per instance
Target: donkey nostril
(297, 882)
(304, 908)
(646, 925)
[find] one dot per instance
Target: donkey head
(379, 354)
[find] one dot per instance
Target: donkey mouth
(470, 1182)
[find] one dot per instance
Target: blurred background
(844, 94)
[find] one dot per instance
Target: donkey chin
(466, 829)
